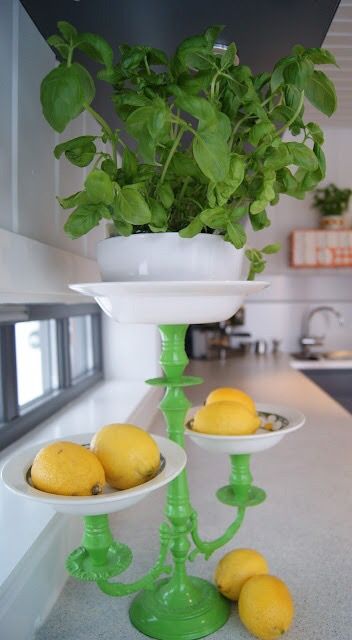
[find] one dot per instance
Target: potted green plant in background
(332, 203)
(209, 154)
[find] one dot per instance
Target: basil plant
(207, 151)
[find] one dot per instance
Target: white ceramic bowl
(170, 302)
(167, 256)
(16, 473)
(259, 441)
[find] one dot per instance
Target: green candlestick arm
(147, 582)
(207, 547)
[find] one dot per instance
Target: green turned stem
(174, 407)
(241, 477)
(97, 538)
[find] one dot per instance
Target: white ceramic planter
(167, 256)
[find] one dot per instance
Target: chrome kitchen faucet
(307, 340)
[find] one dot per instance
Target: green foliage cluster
(331, 201)
(208, 133)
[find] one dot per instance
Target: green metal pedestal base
(228, 495)
(194, 612)
(81, 565)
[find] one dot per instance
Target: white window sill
(112, 401)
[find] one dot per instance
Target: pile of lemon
(227, 411)
(265, 605)
(122, 455)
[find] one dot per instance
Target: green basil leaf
(212, 155)
(132, 99)
(194, 52)
(159, 215)
(110, 168)
(277, 76)
(73, 201)
(157, 56)
(277, 158)
(298, 72)
(216, 218)
(123, 228)
(199, 108)
(320, 56)
(67, 30)
(302, 156)
(58, 43)
(96, 48)
(259, 131)
(319, 154)
(82, 156)
(129, 163)
(259, 221)
(132, 207)
(82, 220)
(184, 166)
(230, 103)
(293, 97)
(192, 229)
(258, 206)
(316, 132)
(193, 84)
(237, 235)
(237, 213)
(63, 93)
(211, 34)
(166, 194)
(286, 180)
(99, 187)
(228, 58)
(74, 143)
(271, 248)
(321, 93)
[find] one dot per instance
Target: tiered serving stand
(179, 606)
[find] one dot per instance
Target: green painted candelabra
(177, 607)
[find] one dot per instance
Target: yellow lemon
(67, 469)
(265, 607)
(128, 454)
(225, 418)
(233, 395)
(235, 568)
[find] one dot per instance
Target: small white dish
(291, 420)
(16, 474)
(179, 302)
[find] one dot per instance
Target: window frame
(16, 421)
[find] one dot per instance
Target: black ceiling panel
(264, 30)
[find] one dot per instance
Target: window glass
(36, 359)
(81, 345)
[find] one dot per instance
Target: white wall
(30, 177)
(37, 259)
(278, 312)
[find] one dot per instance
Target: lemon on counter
(233, 395)
(235, 568)
(128, 454)
(68, 469)
(265, 607)
(225, 418)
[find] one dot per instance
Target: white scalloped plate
(183, 302)
(16, 472)
(290, 418)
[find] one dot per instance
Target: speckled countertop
(303, 528)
